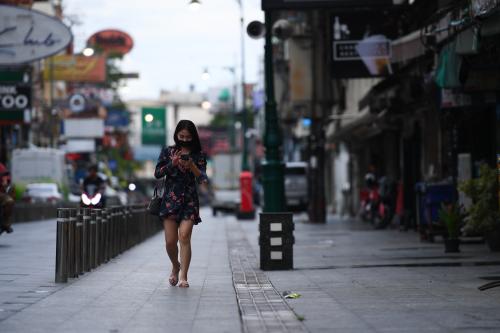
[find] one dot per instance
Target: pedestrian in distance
(182, 165)
(6, 200)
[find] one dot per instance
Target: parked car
(296, 193)
(42, 192)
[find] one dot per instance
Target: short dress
(180, 196)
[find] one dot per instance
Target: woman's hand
(176, 158)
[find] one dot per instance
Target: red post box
(246, 210)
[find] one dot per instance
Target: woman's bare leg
(171, 238)
(185, 231)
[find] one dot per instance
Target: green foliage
(221, 120)
(19, 190)
(451, 217)
(483, 214)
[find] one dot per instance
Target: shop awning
(380, 96)
(407, 47)
(359, 128)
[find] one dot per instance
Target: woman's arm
(199, 168)
(165, 165)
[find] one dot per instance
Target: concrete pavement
(129, 294)
(355, 279)
(351, 279)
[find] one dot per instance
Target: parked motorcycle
(378, 202)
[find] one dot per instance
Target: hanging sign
(111, 41)
(77, 103)
(75, 68)
(13, 98)
(27, 35)
(361, 44)
(15, 102)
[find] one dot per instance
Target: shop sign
(27, 35)
(154, 126)
(111, 41)
(77, 103)
(451, 99)
(14, 98)
(116, 118)
(362, 46)
(84, 128)
(291, 4)
(73, 68)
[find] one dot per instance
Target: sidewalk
(356, 279)
(129, 294)
(351, 279)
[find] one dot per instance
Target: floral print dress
(180, 196)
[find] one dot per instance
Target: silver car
(296, 194)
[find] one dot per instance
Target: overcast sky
(173, 44)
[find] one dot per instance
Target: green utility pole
(272, 167)
(244, 155)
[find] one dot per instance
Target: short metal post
(111, 219)
(92, 239)
(86, 240)
(78, 242)
(62, 246)
(105, 233)
(72, 245)
(98, 236)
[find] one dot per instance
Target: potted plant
(483, 216)
(451, 217)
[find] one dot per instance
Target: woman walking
(182, 165)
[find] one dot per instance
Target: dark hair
(191, 128)
(93, 167)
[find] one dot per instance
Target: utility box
(276, 241)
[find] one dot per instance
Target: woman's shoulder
(168, 149)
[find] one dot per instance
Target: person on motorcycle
(6, 200)
(93, 184)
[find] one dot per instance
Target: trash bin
(430, 197)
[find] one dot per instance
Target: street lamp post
(272, 167)
(244, 160)
(246, 209)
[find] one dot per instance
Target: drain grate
(262, 308)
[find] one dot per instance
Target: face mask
(185, 144)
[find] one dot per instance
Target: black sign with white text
(14, 98)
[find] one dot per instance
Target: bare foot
(183, 284)
(174, 276)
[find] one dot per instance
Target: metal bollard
(86, 240)
(105, 226)
(92, 239)
(62, 246)
(115, 231)
(71, 244)
(98, 235)
(123, 243)
(78, 241)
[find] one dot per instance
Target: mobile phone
(185, 157)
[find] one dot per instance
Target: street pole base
(250, 215)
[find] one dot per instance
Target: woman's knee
(184, 237)
(171, 243)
